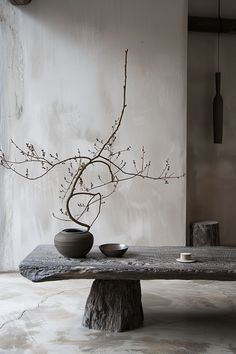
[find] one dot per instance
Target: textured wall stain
(2, 18)
(14, 83)
(12, 75)
(19, 109)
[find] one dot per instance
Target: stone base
(114, 305)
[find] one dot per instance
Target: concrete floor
(180, 317)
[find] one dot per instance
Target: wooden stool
(204, 233)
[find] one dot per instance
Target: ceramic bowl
(113, 249)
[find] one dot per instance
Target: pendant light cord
(219, 18)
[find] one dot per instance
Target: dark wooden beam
(211, 24)
(20, 2)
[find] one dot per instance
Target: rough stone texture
(216, 263)
(114, 305)
(204, 233)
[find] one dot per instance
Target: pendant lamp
(218, 100)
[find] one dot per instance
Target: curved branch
(73, 218)
(99, 209)
(86, 207)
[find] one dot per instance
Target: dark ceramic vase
(73, 243)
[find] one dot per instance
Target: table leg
(114, 305)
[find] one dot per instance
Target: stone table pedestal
(114, 305)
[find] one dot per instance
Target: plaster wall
(211, 171)
(62, 69)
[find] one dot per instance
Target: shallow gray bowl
(113, 249)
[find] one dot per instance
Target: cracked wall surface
(62, 69)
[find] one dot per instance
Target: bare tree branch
(102, 153)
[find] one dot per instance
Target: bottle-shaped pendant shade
(218, 112)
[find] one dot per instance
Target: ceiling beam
(19, 2)
(211, 24)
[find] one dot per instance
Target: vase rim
(74, 230)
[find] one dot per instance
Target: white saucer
(187, 261)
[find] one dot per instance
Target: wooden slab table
(114, 302)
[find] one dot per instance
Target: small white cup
(185, 256)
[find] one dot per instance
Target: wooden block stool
(204, 233)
